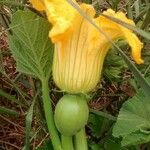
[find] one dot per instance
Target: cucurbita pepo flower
(79, 48)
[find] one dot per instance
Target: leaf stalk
(49, 116)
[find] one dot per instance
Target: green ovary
(71, 114)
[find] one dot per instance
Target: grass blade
(146, 21)
(103, 114)
(7, 111)
(29, 118)
(129, 10)
(12, 3)
(9, 97)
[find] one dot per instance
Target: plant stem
(80, 140)
(67, 143)
(49, 116)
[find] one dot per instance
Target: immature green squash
(71, 114)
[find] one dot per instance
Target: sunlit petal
(116, 31)
(61, 15)
(38, 4)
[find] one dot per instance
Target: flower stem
(67, 143)
(49, 116)
(80, 140)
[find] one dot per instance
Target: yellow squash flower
(79, 48)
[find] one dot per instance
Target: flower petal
(115, 31)
(79, 48)
(78, 57)
(38, 4)
(61, 15)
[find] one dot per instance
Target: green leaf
(111, 144)
(133, 122)
(136, 138)
(113, 64)
(95, 123)
(96, 147)
(108, 143)
(30, 44)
